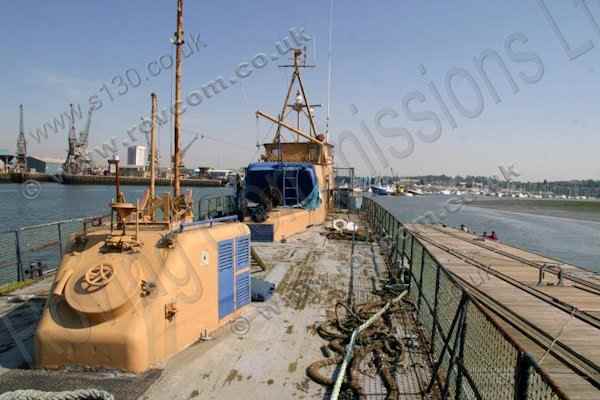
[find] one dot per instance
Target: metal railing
(474, 357)
(31, 251)
(216, 206)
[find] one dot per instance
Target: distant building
(6, 157)
(54, 166)
(50, 166)
(132, 170)
(136, 156)
(35, 164)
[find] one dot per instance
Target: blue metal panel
(243, 289)
(242, 252)
(225, 266)
(261, 232)
(225, 254)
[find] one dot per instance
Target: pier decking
(523, 325)
(556, 322)
(503, 323)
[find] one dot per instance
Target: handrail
(34, 243)
(64, 221)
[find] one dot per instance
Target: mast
(153, 151)
(178, 71)
(298, 106)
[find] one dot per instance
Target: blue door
(225, 266)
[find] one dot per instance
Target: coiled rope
(84, 394)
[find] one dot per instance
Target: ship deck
(266, 353)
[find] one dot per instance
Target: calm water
(572, 241)
(19, 207)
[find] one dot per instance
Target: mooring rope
(349, 348)
(84, 394)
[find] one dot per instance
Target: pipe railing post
(19, 256)
(461, 353)
(522, 376)
(456, 353)
(435, 306)
(60, 242)
(456, 320)
(421, 281)
(403, 246)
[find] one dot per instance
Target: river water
(21, 205)
(573, 241)
(567, 239)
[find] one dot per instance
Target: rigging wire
(171, 104)
(257, 132)
(330, 67)
(246, 100)
(214, 139)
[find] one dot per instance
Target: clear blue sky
(55, 53)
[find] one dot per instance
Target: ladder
(290, 187)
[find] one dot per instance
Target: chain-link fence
(474, 357)
(32, 251)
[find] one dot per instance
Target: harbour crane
(78, 159)
(85, 162)
(21, 161)
(70, 166)
(85, 133)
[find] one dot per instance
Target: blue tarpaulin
(266, 180)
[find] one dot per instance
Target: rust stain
(233, 376)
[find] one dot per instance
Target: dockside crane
(78, 159)
(85, 133)
(71, 166)
(85, 163)
(21, 161)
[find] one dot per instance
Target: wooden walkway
(559, 324)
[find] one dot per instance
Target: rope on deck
(84, 394)
(349, 348)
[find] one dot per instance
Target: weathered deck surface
(262, 356)
(269, 355)
(581, 336)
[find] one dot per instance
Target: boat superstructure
(154, 282)
(291, 187)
